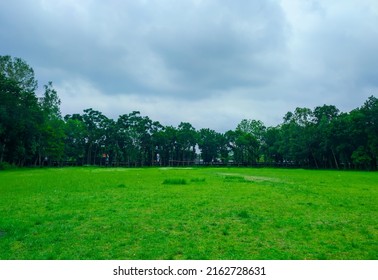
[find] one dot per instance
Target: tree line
(34, 133)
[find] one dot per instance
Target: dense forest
(34, 133)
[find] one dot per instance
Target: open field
(204, 213)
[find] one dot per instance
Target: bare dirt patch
(251, 178)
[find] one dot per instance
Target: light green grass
(219, 213)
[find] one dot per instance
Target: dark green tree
(20, 116)
(96, 125)
(186, 142)
(208, 142)
(17, 70)
(52, 131)
(76, 133)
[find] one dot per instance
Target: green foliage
(6, 166)
(17, 70)
(50, 103)
(32, 132)
(208, 142)
(20, 118)
(361, 157)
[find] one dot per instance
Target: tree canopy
(33, 132)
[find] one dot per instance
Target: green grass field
(200, 213)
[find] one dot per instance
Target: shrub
(6, 166)
(174, 181)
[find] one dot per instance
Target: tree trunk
(316, 162)
(2, 153)
(95, 155)
(89, 154)
(334, 157)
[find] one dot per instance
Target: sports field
(188, 213)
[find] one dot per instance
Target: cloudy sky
(208, 62)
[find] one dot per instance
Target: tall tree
(52, 131)
(323, 143)
(96, 125)
(297, 135)
(208, 142)
(272, 144)
(251, 137)
(370, 109)
(18, 70)
(186, 141)
(10, 95)
(75, 139)
(137, 133)
(20, 116)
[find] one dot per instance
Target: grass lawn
(200, 213)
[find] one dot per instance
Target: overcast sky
(208, 62)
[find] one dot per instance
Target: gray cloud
(211, 62)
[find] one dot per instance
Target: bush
(6, 166)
